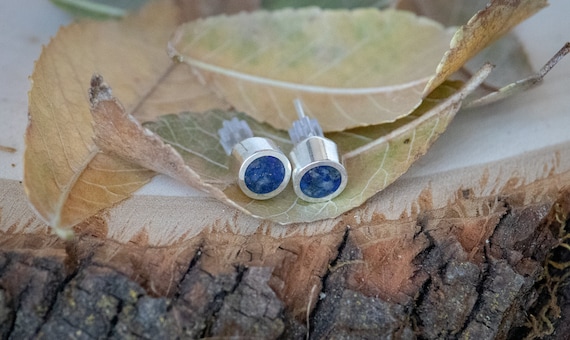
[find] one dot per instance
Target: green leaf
(484, 28)
(350, 68)
(507, 54)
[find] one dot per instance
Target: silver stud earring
(263, 170)
(318, 175)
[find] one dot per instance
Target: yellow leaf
(507, 53)
(350, 68)
(489, 24)
(119, 133)
(66, 177)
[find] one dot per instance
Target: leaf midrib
(304, 87)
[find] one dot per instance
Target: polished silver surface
(314, 155)
(258, 162)
(311, 153)
(251, 149)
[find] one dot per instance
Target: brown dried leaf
(507, 53)
(513, 72)
(489, 24)
(66, 177)
(522, 84)
(119, 133)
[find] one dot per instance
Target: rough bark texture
(479, 269)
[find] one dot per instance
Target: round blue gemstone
(320, 181)
(264, 174)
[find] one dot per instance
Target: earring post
(299, 108)
(318, 174)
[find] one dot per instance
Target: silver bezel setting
(313, 152)
(250, 149)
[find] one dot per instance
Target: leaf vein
(303, 87)
(195, 153)
(338, 60)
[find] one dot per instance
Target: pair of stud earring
(263, 170)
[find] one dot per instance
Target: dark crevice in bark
(422, 223)
(508, 211)
(417, 323)
(333, 263)
(415, 312)
(13, 313)
(193, 262)
(480, 289)
(324, 288)
(431, 261)
(76, 265)
(293, 329)
(240, 272)
(18, 307)
(502, 220)
(485, 270)
(115, 319)
(60, 290)
(425, 253)
(218, 302)
(54, 299)
(339, 254)
(330, 316)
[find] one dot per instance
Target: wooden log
(470, 270)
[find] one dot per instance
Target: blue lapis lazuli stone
(264, 175)
(320, 181)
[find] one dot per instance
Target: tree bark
(480, 268)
